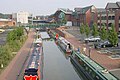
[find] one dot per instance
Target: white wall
(22, 17)
(69, 23)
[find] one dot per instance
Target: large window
(113, 17)
(109, 18)
(103, 17)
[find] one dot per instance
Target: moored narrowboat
(89, 68)
(64, 44)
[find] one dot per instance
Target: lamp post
(89, 51)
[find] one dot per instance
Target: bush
(15, 40)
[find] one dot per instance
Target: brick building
(63, 14)
(86, 15)
(109, 15)
(7, 23)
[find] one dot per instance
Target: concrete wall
(59, 31)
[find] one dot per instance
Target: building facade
(7, 23)
(86, 15)
(22, 17)
(63, 15)
(110, 15)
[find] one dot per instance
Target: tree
(113, 38)
(82, 30)
(64, 21)
(103, 33)
(95, 30)
(87, 30)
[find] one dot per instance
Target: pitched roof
(66, 11)
(118, 3)
(112, 6)
(77, 9)
(85, 9)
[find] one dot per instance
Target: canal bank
(56, 66)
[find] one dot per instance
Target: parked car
(119, 36)
(92, 39)
(103, 44)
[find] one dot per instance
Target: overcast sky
(46, 7)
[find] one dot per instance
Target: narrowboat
(34, 68)
(89, 68)
(64, 44)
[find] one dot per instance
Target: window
(109, 24)
(98, 18)
(109, 18)
(113, 17)
(98, 24)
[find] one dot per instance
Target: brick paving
(12, 70)
(102, 59)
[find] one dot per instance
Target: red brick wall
(60, 32)
(117, 15)
(7, 23)
(88, 17)
(68, 17)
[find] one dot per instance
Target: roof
(44, 35)
(85, 9)
(99, 10)
(77, 9)
(39, 40)
(5, 19)
(66, 11)
(118, 3)
(113, 5)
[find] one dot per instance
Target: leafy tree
(82, 30)
(103, 33)
(11, 36)
(113, 38)
(87, 30)
(95, 30)
(64, 21)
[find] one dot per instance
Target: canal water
(56, 66)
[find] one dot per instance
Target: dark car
(119, 36)
(103, 44)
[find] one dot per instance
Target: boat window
(93, 74)
(86, 68)
(90, 71)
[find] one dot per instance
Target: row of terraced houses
(90, 14)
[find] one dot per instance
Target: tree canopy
(95, 30)
(87, 30)
(103, 33)
(113, 38)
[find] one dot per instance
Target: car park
(92, 39)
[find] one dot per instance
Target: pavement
(102, 59)
(12, 71)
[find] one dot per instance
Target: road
(56, 66)
(13, 69)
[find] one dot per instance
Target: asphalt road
(13, 69)
(3, 37)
